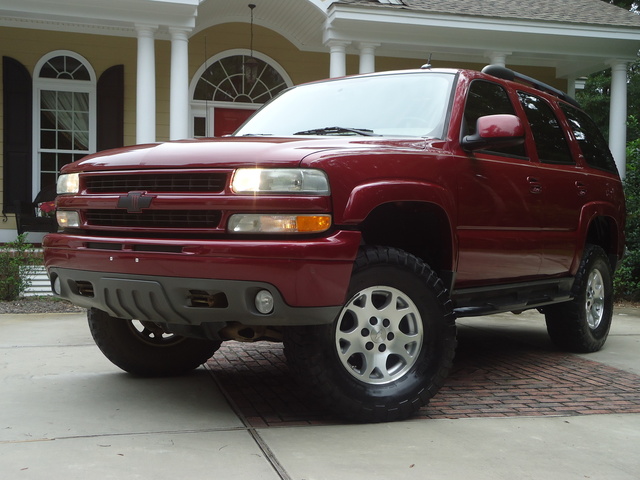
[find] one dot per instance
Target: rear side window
(547, 132)
(486, 98)
(592, 143)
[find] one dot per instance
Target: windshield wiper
(338, 131)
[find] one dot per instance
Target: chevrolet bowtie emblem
(134, 202)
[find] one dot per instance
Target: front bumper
(181, 301)
(190, 283)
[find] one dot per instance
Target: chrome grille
(194, 219)
(160, 182)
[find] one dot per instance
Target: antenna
(428, 64)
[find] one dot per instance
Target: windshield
(404, 104)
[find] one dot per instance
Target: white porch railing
(40, 285)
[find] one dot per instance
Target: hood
(227, 152)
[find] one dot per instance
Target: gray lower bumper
(181, 301)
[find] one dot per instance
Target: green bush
(627, 280)
(17, 260)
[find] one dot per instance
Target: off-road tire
(144, 349)
(582, 325)
(335, 360)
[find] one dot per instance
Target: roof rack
(507, 74)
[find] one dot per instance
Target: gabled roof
(587, 12)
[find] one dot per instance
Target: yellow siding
(300, 66)
(28, 46)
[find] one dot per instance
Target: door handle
(534, 185)
(582, 188)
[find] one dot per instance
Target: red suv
(354, 219)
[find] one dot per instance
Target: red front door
(227, 120)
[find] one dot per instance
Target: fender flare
(589, 213)
(366, 197)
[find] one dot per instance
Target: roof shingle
(589, 12)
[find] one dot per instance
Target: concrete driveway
(513, 408)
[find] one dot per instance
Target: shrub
(627, 280)
(17, 260)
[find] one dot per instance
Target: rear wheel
(145, 348)
(390, 348)
(582, 325)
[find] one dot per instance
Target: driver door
(499, 199)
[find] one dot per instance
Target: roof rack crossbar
(507, 74)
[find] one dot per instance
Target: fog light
(264, 302)
(56, 285)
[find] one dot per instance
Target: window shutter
(110, 108)
(18, 127)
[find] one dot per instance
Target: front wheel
(390, 348)
(582, 325)
(145, 348)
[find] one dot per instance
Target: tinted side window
(592, 143)
(548, 135)
(486, 98)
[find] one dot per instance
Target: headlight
(68, 219)
(265, 223)
(69, 183)
(280, 180)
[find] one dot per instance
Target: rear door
(564, 185)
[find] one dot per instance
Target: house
(79, 76)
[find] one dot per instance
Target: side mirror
(493, 131)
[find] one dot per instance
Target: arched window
(64, 114)
(225, 93)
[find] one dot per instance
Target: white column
(498, 58)
(571, 87)
(179, 95)
(367, 57)
(338, 58)
(618, 115)
(146, 85)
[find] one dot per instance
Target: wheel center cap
(378, 335)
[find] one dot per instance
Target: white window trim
(63, 85)
(205, 108)
(201, 108)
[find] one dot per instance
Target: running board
(473, 302)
